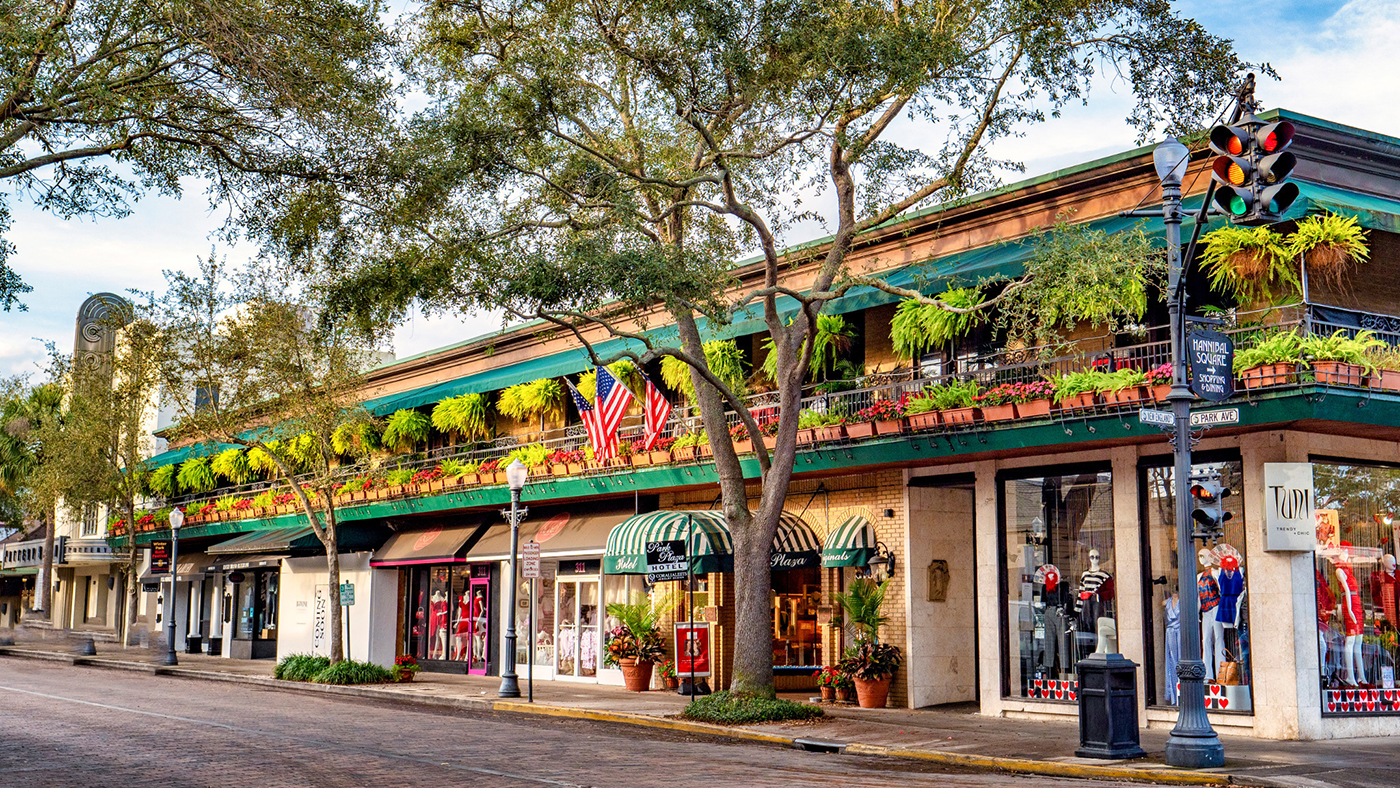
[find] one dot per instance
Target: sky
(1335, 60)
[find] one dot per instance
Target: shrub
(299, 667)
(725, 709)
(349, 671)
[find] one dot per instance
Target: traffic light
(1252, 169)
(1208, 508)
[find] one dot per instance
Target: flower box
(860, 429)
(575, 468)
(1079, 401)
(743, 447)
(1035, 409)
(437, 485)
(1387, 379)
(539, 470)
(1159, 393)
(659, 456)
(959, 416)
(498, 477)
(559, 469)
(770, 442)
(641, 458)
(1125, 396)
(684, 453)
(1339, 373)
(999, 412)
(889, 426)
(805, 436)
(1267, 375)
(924, 421)
(704, 450)
(831, 432)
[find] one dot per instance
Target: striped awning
(712, 549)
(851, 543)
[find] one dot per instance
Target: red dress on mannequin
(1353, 618)
(1383, 593)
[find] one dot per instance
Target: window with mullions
(1059, 578)
(1221, 592)
(1357, 584)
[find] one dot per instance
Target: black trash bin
(1108, 710)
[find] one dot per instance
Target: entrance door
(942, 574)
(471, 615)
(576, 639)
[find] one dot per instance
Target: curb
(985, 763)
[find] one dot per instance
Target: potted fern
(1253, 264)
(537, 399)
(1386, 363)
(1329, 245)
(922, 412)
(1079, 390)
(405, 430)
(1341, 360)
(1125, 387)
(1272, 361)
(685, 447)
(869, 662)
(956, 401)
(464, 416)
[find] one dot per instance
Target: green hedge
(724, 709)
(305, 667)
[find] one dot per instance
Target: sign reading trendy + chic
(1289, 523)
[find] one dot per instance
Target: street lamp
(1193, 743)
(516, 474)
(177, 519)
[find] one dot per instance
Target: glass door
(576, 639)
(588, 611)
(566, 638)
(479, 627)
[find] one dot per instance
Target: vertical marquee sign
(1289, 523)
(160, 556)
(1212, 358)
(693, 648)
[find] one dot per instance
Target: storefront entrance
(577, 615)
(255, 594)
(450, 620)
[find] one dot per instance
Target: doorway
(943, 590)
(576, 636)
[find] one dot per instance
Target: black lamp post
(177, 519)
(516, 474)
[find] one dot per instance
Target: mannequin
(1172, 604)
(1353, 668)
(1212, 630)
(1095, 593)
(1326, 603)
(1054, 649)
(461, 628)
(1384, 583)
(437, 625)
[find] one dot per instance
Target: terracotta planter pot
(770, 441)
(999, 412)
(872, 694)
(831, 432)
(890, 427)
(843, 694)
(684, 453)
(539, 470)
(959, 416)
(559, 469)
(437, 486)
(636, 674)
(1267, 375)
(860, 429)
(743, 447)
(1079, 401)
(1034, 409)
(1126, 396)
(1159, 393)
(406, 676)
(641, 459)
(1387, 379)
(806, 436)
(659, 457)
(1339, 373)
(575, 468)
(704, 450)
(924, 421)
(672, 682)
(499, 477)
(829, 694)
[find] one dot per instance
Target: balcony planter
(437, 485)
(559, 469)
(1387, 379)
(890, 427)
(958, 416)
(999, 412)
(641, 458)
(1130, 395)
(860, 429)
(499, 477)
(684, 453)
(1267, 375)
(539, 470)
(1159, 393)
(831, 432)
(659, 457)
(743, 447)
(1339, 373)
(924, 421)
(1035, 409)
(1079, 401)
(575, 468)
(806, 436)
(770, 442)
(704, 450)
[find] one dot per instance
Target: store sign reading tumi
(1212, 358)
(666, 561)
(1289, 524)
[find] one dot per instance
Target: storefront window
(1060, 581)
(1222, 593)
(796, 595)
(449, 617)
(1356, 583)
(578, 609)
(543, 637)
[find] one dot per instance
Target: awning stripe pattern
(851, 543)
(712, 547)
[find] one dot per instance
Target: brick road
(65, 726)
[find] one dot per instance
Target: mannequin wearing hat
(1212, 628)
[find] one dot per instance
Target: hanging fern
(529, 401)
(195, 476)
(1251, 264)
(831, 342)
(356, 438)
(918, 328)
(303, 452)
(1330, 244)
(404, 430)
(724, 359)
(164, 482)
(233, 465)
(262, 462)
(464, 415)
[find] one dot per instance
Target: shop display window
(1357, 585)
(1222, 592)
(1059, 578)
(543, 636)
(450, 614)
(797, 593)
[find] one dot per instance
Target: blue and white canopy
(795, 546)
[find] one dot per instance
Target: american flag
(589, 414)
(611, 405)
(657, 412)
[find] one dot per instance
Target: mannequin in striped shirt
(1095, 594)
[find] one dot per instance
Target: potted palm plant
(1341, 360)
(870, 663)
(636, 643)
(1271, 361)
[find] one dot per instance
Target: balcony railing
(1003, 366)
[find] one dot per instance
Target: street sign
(666, 561)
(1215, 418)
(1157, 418)
(347, 594)
(1211, 355)
(160, 556)
(530, 560)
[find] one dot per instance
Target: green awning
(795, 546)
(301, 540)
(851, 543)
(19, 571)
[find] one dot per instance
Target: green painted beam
(1369, 407)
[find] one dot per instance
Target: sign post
(530, 570)
(347, 599)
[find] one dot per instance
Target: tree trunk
(753, 615)
(46, 593)
(333, 575)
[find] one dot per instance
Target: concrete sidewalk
(956, 737)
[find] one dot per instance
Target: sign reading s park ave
(1211, 355)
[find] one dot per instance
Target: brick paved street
(65, 726)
